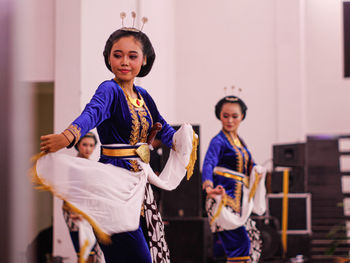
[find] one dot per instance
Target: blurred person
(85, 147)
(233, 184)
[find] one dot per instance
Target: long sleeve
(97, 110)
(211, 160)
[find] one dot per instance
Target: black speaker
(289, 155)
(186, 199)
(299, 211)
(297, 183)
(189, 239)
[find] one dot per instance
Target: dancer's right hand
(75, 216)
(53, 142)
(218, 190)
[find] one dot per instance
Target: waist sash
(232, 174)
(141, 151)
(221, 216)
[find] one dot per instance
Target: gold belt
(245, 180)
(142, 151)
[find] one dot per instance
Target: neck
(128, 86)
(233, 134)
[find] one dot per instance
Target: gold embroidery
(239, 156)
(136, 126)
(73, 129)
(235, 203)
(149, 113)
(134, 166)
(144, 125)
(134, 134)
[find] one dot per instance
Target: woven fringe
(193, 156)
(82, 251)
(43, 185)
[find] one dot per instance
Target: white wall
(38, 41)
(328, 93)
(222, 44)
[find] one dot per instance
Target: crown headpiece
(144, 20)
(233, 91)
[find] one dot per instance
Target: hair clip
(122, 16)
(230, 99)
(233, 92)
(132, 28)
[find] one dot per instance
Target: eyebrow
(118, 50)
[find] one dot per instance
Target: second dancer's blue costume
(225, 154)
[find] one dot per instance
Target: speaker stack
(186, 230)
(291, 156)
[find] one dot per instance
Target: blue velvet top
(117, 120)
(223, 152)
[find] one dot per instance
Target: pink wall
(328, 93)
(222, 45)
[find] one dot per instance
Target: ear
(144, 63)
(242, 117)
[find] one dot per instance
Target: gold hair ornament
(234, 92)
(144, 20)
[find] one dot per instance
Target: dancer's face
(231, 116)
(126, 58)
(86, 147)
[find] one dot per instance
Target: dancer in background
(234, 185)
(127, 120)
(85, 147)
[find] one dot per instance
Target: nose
(125, 61)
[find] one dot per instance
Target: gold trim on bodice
(139, 121)
(239, 156)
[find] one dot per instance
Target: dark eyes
(227, 116)
(130, 56)
(86, 144)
